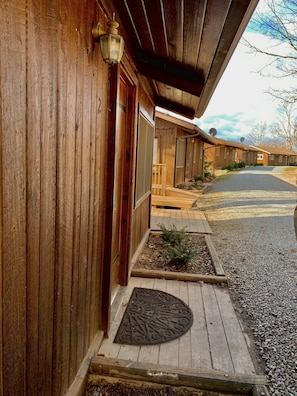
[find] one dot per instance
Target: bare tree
(258, 134)
(279, 23)
(286, 126)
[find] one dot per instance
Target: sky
(240, 100)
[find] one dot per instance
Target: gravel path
(251, 215)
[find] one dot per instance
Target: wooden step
(173, 202)
(177, 192)
(137, 375)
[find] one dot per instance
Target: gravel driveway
(251, 215)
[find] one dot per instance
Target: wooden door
(118, 192)
(118, 188)
(121, 215)
(180, 161)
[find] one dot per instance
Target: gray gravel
(251, 216)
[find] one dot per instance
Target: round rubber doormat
(153, 317)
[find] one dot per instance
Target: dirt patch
(288, 174)
(153, 257)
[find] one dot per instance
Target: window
(180, 153)
(144, 156)
(195, 153)
(155, 153)
(280, 159)
(271, 157)
(218, 152)
(260, 157)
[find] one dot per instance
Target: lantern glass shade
(112, 47)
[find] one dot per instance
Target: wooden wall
(251, 157)
(141, 212)
(225, 157)
(53, 135)
(166, 134)
(194, 166)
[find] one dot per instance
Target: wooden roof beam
(170, 73)
(175, 107)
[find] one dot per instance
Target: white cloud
(240, 100)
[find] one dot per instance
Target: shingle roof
(186, 126)
(234, 144)
(275, 150)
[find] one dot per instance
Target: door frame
(115, 73)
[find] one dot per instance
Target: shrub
(206, 167)
(234, 165)
(198, 177)
(241, 164)
(229, 167)
(172, 236)
(207, 174)
(177, 248)
(180, 254)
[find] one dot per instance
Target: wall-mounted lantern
(111, 43)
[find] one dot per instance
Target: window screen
(145, 141)
(180, 153)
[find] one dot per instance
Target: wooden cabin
(247, 154)
(225, 152)
(179, 145)
(275, 156)
(76, 142)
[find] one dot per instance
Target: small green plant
(177, 247)
(234, 165)
(172, 236)
(206, 167)
(180, 254)
(241, 164)
(198, 177)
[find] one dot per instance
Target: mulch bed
(120, 389)
(153, 257)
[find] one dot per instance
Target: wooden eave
(182, 47)
(275, 150)
(229, 143)
(186, 126)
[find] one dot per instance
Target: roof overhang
(188, 127)
(182, 47)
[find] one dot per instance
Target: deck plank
(193, 220)
(240, 356)
(216, 333)
(185, 351)
(214, 342)
(201, 356)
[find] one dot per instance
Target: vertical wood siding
(166, 134)
(53, 137)
(13, 194)
(141, 213)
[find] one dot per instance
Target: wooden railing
(159, 179)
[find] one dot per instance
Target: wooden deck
(174, 202)
(215, 341)
(173, 197)
(194, 220)
(212, 355)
